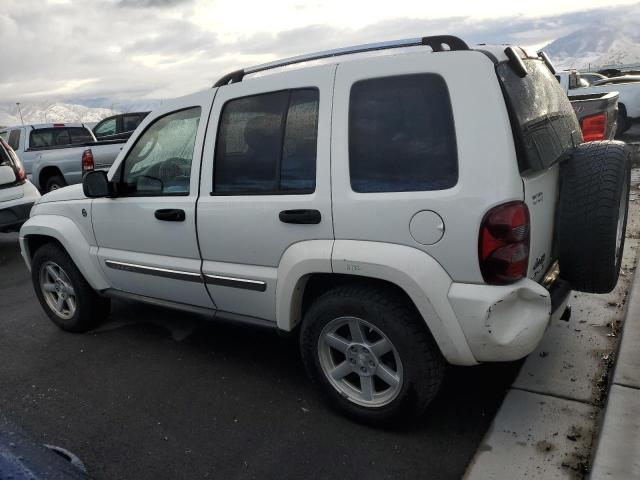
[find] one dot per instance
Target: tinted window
(160, 161)
(545, 125)
(401, 135)
(14, 139)
(131, 122)
(107, 127)
(59, 137)
(267, 144)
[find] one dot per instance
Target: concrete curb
(617, 448)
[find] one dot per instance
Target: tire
(420, 368)
(90, 308)
(592, 215)
(55, 182)
(623, 122)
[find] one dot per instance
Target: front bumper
(506, 322)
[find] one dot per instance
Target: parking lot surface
(157, 394)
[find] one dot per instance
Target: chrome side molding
(256, 285)
(210, 279)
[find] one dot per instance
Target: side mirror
(7, 175)
(96, 185)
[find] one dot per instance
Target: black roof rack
(438, 43)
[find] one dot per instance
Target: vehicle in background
(118, 127)
(386, 211)
(617, 80)
(591, 77)
(597, 114)
(628, 100)
(52, 153)
(17, 194)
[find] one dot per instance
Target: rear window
(544, 123)
(59, 137)
(401, 135)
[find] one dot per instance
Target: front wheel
(371, 354)
(64, 294)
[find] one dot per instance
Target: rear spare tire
(592, 215)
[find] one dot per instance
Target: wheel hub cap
(57, 290)
(360, 361)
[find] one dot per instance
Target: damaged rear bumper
(506, 322)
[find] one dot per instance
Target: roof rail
(438, 43)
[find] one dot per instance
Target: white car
(17, 194)
(370, 201)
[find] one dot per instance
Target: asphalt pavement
(159, 394)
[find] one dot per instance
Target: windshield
(544, 124)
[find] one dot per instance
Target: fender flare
(418, 274)
(65, 231)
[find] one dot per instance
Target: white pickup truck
(57, 154)
(628, 101)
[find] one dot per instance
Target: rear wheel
(370, 354)
(64, 294)
(623, 122)
(54, 183)
(592, 215)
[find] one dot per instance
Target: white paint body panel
(127, 231)
(488, 169)
(241, 235)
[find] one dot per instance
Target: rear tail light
(87, 161)
(503, 247)
(594, 127)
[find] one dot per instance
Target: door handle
(304, 217)
(170, 215)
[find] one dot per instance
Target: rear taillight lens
(87, 161)
(594, 127)
(503, 247)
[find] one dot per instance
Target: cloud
(151, 3)
(137, 55)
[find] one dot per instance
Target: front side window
(401, 135)
(267, 144)
(106, 128)
(160, 161)
(14, 139)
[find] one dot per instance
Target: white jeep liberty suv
(370, 200)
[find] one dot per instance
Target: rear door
(265, 183)
(545, 129)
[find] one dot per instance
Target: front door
(265, 183)
(147, 243)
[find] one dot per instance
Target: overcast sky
(95, 52)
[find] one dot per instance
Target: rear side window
(401, 135)
(267, 144)
(59, 137)
(544, 124)
(14, 139)
(131, 122)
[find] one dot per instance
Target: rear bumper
(503, 323)
(12, 217)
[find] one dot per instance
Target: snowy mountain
(49, 112)
(614, 42)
